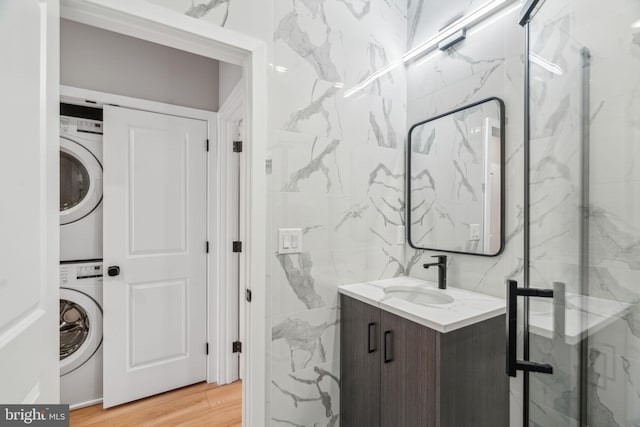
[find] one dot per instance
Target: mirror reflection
(455, 185)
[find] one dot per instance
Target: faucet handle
(441, 258)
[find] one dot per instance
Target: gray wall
(96, 59)
(230, 75)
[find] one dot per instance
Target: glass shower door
(583, 223)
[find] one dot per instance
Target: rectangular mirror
(455, 171)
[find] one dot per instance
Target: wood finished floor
(200, 404)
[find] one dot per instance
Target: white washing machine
(81, 334)
(80, 189)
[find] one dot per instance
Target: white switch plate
(474, 232)
(401, 235)
(289, 240)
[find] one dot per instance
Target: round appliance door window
(80, 181)
(74, 181)
(80, 329)
(74, 327)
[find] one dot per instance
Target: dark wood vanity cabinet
(360, 332)
(397, 373)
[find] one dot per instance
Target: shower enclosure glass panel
(584, 201)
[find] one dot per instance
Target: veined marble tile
(336, 40)
(614, 132)
(310, 280)
(386, 262)
(319, 108)
(246, 16)
(310, 164)
(305, 339)
(306, 397)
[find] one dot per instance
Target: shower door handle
(513, 364)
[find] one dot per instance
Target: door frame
(229, 314)
(160, 25)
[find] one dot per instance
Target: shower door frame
(527, 14)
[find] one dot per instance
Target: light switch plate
(474, 232)
(401, 235)
(289, 240)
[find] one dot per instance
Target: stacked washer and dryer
(80, 255)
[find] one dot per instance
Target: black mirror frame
(502, 176)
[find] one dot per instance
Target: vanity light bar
(373, 77)
(462, 23)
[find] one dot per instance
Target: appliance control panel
(90, 126)
(76, 124)
(75, 272)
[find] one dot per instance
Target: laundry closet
(140, 214)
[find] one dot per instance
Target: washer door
(80, 181)
(80, 329)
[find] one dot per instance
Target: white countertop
(466, 308)
(584, 316)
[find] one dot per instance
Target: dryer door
(80, 329)
(80, 181)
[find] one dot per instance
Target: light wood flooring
(200, 404)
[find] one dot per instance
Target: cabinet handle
(388, 346)
(371, 340)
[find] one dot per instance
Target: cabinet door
(360, 349)
(408, 382)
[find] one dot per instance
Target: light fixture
(373, 77)
(547, 65)
(453, 39)
(468, 20)
(486, 23)
(636, 25)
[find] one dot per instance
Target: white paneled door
(155, 204)
(29, 159)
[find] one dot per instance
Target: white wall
(92, 58)
(230, 75)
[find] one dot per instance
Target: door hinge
(237, 246)
(207, 246)
(237, 146)
(247, 295)
(207, 145)
(237, 347)
(206, 348)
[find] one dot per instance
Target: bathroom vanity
(415, 355)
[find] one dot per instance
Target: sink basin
(418, 295)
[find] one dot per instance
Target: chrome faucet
(442, 270)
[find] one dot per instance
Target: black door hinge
(207, 246)
(207, 145)
(206, 348)
(247, 295)
(237, 146)
(237, 246)
(237, 347)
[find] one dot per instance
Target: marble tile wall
(335, 169)
(560, 31)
